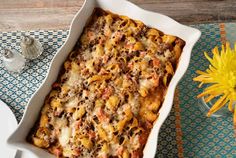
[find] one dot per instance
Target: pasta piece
(67, 65)
(168, 39)
(113, 68)
(55, 103)
(68, 152)
(131, 40)
(65, 89)
(118, 82)
(128, 113)
(99, 51)
(99, 78)
(109, 19)
(99, 103)
(112, 102)
(138, 46)
(43, 120)
(152, 32)
(102, 133)
(134, 123)
(105, 148)
(86, 143)
(53, 93)
(90, 66)
(125, 154)
(150, 116)
(75, 67)
(40, 142)
(143, 91)
(169, 68)
(125, 22)
(121, 124)
(177, 50)
(79, 113)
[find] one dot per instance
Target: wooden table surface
(57, 14)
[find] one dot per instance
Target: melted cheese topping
(64, 136)
(108, 95)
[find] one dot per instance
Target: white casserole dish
(122, 7)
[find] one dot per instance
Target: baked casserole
(109, 91)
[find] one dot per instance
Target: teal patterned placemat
(185, 133)
(203, 136)
(16, 91)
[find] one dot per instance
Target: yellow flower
(221, 77)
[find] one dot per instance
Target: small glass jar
(30, 47)
(206, 106)
(13, 61)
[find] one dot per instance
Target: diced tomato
(143, 138)
(118, 35)
(130, 65)
(135, 154)
(77, 152)
(142, 54)
(91, 134)
(129, 46)
(55, 133)
(103, 71)
(91, 35)
(128, 77)
(105, 59)
(120, 150)
(82, 65)
(107, 93)
(85, 93)
(78, 124)
(148, 125)
(155, 79)
(55, 85)
(58, 111)
(107, 32)
(102, 117)
(156, 62)
(102, 40)
(57, 152)
(84, 71)
(103, 156)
